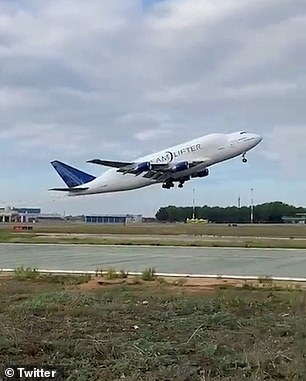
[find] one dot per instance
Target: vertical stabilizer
(71, 176)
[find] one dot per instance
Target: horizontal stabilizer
(71, 176)
(68, 189)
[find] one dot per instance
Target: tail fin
(71, 176)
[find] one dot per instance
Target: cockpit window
(242, 132)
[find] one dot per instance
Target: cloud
(148, 135)
(287, 149)
(120, 79)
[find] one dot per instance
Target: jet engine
(203, 173)
(142, 167)
(181, 166)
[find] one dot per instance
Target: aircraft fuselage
(209, 150)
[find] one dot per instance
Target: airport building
(33, 215)
(112, 218)
(26, 215)
(299, 218)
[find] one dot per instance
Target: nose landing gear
(244, 159)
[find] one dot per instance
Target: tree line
(271, 212)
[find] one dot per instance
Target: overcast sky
(123, 78)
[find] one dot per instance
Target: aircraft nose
(258, 138)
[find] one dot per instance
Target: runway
(265, 262)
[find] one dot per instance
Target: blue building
(28, 210)
(112, 218)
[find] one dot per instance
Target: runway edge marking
(170, 275)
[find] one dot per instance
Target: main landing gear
(244, 159)
(169, 184)
(182, 181)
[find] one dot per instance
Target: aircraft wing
(162, 172)
(129, 167)
(158, 172)
(108, 163)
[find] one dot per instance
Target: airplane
(178, 164)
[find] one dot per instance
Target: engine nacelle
(142, 167)
(203, 173)
(181, 166)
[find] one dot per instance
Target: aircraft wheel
(244, 160)
(167, 186)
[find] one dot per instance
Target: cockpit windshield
(242, 132)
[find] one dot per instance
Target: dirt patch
(197, 285)
(98, 282)
(190, 284)
(193, 285)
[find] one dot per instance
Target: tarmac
(221, 261)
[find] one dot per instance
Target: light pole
(252, 206)
(193, 204)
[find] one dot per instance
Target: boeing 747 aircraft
(175, 164)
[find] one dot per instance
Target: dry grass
(256, 230)
(211, 235)
(153, 331)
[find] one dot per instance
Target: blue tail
(70, 175)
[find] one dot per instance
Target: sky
(121, 79)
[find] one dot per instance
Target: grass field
(262, 236)
(153, 330)
(256, 230)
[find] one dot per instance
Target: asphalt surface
(221, 261)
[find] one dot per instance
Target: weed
(64, 279)
(123, 274)
(248, 286)
(148, 274)
(265, 280)
(111, 274)
(28, 273)
(99, 273)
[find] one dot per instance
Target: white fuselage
(209, 149)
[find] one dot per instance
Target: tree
(271, 212)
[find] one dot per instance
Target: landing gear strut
(168, 184)
(244, 159)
